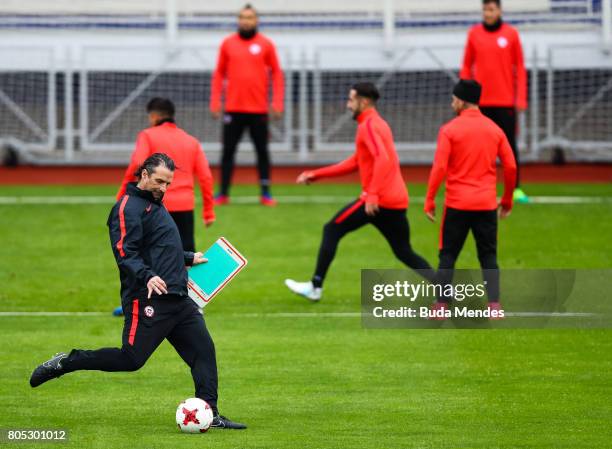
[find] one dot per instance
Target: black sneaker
(221, 422)
(48, 370)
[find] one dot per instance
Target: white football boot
(305, 289)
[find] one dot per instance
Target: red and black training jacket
(146, 243)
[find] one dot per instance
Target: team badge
(502, 42)
(255, 49)
(149, 311)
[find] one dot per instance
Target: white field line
(44, 200)
(240, 315)
(570, 199)
(287, 199)
(297, 314)
(54, 314)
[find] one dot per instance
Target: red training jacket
(376, 159)
(468, 147)
(495, 60)
(245, 66)
(190, 160)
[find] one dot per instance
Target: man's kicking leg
(351, 217)
(141, 336)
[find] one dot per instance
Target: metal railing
(28, 99)
(112, 100)
(92, 110)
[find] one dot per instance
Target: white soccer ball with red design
(194, 415)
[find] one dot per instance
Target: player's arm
(521, 74)
(278, 82)
(141, 152)
(205, 178)
(437, 174)
(126, 234)
(509, 166)
(349, 165)
(218, 79)
(468, 59)
(382, 165)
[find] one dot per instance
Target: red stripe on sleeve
(122, 225)
(134, 322)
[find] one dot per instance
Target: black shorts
(184, 223)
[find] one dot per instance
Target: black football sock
(317, 281)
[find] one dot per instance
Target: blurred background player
(164, 136)
(383, 201)
(494, 57)
(467, 152)
(246, 61)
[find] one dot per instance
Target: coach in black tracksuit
(149, 253)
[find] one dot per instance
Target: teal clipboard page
(208, 279)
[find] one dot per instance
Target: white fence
(578, 100)
(91, 113)
(28, 98)
(114, 88)
(415, 84)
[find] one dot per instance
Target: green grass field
(312, 381)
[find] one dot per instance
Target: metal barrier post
(303, 99)
(606, 22)
(68, 108)
(535, 106)
(317, 98)
(549, 97)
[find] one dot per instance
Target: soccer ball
(194, 415)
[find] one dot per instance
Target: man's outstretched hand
(305, 178)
